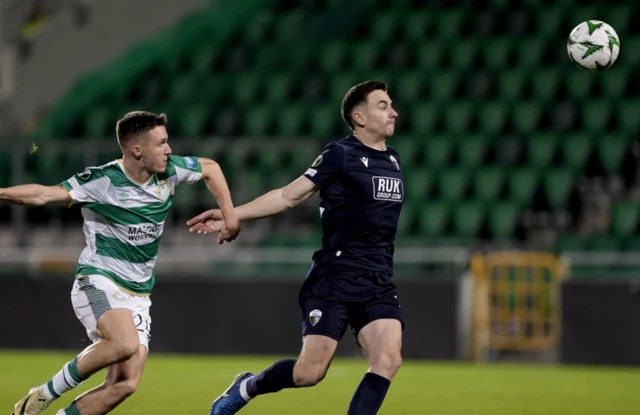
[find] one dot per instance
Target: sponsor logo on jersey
(164, 190)
(388, 188)
(143, 233)
(191, 163)
(365, 161)
(315, 316)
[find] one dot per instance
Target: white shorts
(94, 295)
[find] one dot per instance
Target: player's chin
(391, 128)
(161, 168)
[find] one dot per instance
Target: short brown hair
(356, 96)
(137, 122)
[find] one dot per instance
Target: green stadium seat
(492, 117)
(624, 219)
(409, 149)
(529, 53)
(384, 25)
(458, 117)
(278, 88)
(576, 150)
(430, 55)
(464, 54)
(323, 121)
(334, 56)
(203, 60)
(434, 217)
(627, 112)
(409, 87)
(545, 83)
(246, 88)
(99, 123)
(541, 150)
(416, 25)
(452, 184)
(511, 84)
(596, 115)
(437, 151)
(549, 22)
(194, 121)
(487, 184)
(424, 118)
(443, 85)
(618, 16)
(184, 199)
(579, 84)
(419, 185)
(467, 219)
(406, 220)
(526, 117)
(496, 52)
(557, 184)
(604, 243)
(569, 243)
(289, 26)
(610, 150)
(613, 82)
(364, 55)
(258, 121)
(473, 150)
(449, 23)
(502, 218)
(340, 85)
(522, 183)
(182, 89)
(291, 121)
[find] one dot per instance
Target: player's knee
(122, 390)
(309, 375)
(387, 364)
(124, 349)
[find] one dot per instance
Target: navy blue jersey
(362, 192)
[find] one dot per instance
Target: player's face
(156, 150)
(380, 117)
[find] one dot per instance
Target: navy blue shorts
(332, 299)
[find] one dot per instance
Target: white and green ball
(593, 45)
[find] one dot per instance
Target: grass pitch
(185, 385)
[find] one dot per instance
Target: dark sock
(369, 396)
(273, 379)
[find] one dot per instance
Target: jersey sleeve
(85, 187)
(187, 169)
(326, 167)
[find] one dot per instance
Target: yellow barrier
(516, 302)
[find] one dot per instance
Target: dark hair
(356, 96)
(136, 122)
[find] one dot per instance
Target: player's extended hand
(212, 221)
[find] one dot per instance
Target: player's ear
(359, 117)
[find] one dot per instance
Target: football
(593, 45)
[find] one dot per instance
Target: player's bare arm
(35, 195)
(217, 184)
(269, 204)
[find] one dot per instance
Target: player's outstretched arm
(35, 195)
(217, 184)
(269, 204)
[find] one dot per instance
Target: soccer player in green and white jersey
(124, 204)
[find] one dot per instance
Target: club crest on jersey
(85, 175)
(164, 190)
(388, 188)
(317, 161)
(395, 162)
(315, 316)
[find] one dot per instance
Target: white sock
(66, 379)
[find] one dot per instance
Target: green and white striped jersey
(123, 220)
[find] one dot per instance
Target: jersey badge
(395, 162)
(164, 190)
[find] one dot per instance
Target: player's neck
(375, 142)
(135, 171)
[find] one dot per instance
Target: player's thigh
(128, 372)
(381, 340)
(106, 311)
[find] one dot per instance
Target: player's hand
(229, 232)
(205, 222)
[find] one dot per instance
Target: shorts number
(142, 324)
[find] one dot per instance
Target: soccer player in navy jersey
(349, 283)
